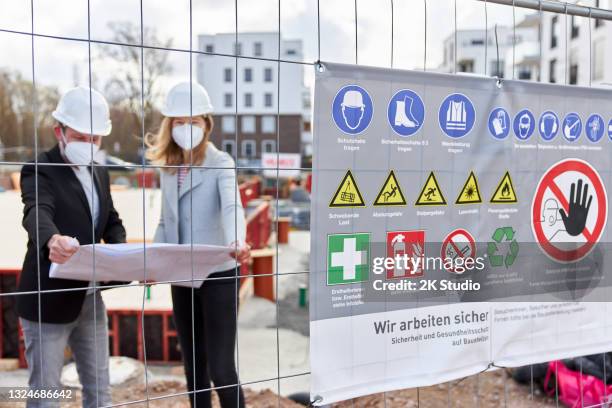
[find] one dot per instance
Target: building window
(268, 100)
(209, 48)
(237, 49)
(268, 146)
(552, 70)
(268, 124)
(228, 124)
(228, 101)
(291, 51)
(466, 66)
(268, 75)
(524, 72)
(248, 100)
(229, 146)
(248, 148)
(575, 28)
(599, 55)
(248, 124)
(248, 75)
(573, 74)
(554, 26)
(228, 75)
(477, 42)
(257, 49)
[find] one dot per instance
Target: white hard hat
(84, 110)
(353, 99)
(187, 99)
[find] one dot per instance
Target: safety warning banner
(457, 223)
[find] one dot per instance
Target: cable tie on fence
(497, 63)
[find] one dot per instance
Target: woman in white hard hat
(200, 205)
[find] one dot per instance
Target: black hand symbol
(578, 210)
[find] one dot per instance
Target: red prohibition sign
(547, 182)
(451, 239)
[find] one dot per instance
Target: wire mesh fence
(137, 66)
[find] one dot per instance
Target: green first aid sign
(348, 258)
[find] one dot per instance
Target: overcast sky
(55, 59)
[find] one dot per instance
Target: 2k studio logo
(348, 258)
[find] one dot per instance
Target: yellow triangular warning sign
(347, 194)
(504, 193)
(390, 193)
(431, 193)
(470, 193)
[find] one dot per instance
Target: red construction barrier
(10, 330)
(125, 325)
(259, 226)
(146, 178)
(250, 190)
(308, 183)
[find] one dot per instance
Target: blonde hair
(163, 151)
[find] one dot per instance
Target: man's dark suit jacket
(62, 209)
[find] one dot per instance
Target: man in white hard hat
(353, 108)
(64, 207)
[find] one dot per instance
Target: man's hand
(243, 252)
(575, 219)
(61, 248)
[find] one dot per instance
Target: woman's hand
(242, 252)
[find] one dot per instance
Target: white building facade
(477, 51)
(567, 56)
(245, 93)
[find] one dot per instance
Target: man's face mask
(79, 153)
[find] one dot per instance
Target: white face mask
(185, 138)
(80, 153)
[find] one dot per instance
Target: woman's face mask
(187, 136)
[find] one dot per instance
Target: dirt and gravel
(488, 390)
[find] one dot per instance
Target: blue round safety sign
(499, 123)
(352, 109)
(406, 112)
(594, 128)
(549, 125)
(572, 127)
(524, 124)
(456, 115)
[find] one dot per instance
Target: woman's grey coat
(207, 208)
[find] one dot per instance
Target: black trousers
(212, 337)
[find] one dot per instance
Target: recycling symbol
(502, 234)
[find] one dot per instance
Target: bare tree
(19, 118)
(127, 83)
